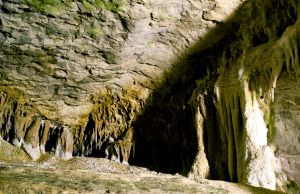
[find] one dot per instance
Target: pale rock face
(17, 142)
(260, 169)
(259, 156)
(287, 131)
(255, 125)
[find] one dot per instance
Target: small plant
(94, 31)
(88, 6)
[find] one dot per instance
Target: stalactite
(256, 87)
(112, 117)
(44, 135)
(5, 115)
(22, 126)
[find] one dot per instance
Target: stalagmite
(31, 140)
(64, 144)
(200, 168)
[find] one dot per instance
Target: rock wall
(203, 88)
(59, 57)
(286, 134)
(87, 67)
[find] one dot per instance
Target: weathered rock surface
(286, 136)
(11, 154)
(58, 60)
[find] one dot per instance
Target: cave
(204, 89)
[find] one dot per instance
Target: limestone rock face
(203, 88)
(286, 134)
(10, 153)
(59, 58)
(88, 66)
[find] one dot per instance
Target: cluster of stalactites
(23, 128)
(90, 142)
(108, 131)
(243, 95)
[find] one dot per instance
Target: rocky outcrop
(12, 154)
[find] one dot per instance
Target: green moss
(48, 6)
(94, 31)
(88, 7)
(53, 7)
(110, 5)
(13, 95)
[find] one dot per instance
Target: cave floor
(18, 174)
(91, 175)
